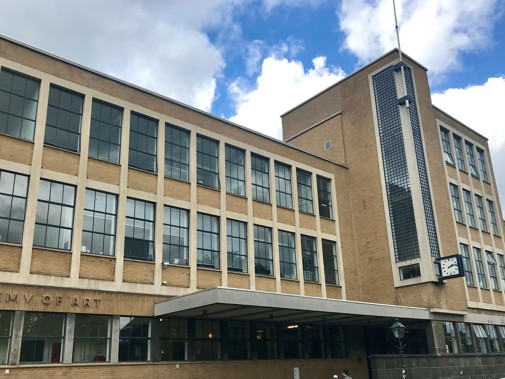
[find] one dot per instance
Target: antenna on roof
(397, 32)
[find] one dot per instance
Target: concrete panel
(290, 286)
(10, 258)
(141, 180)
(176, 276)
(236, 204)
(262, 210)
(209, 197)
(177, 189)
(285, 216)
(16, 150)
(97, 267)
(138, 272)
(103, 171)
(265, 284)
(60, 161)
(51, 262)
(208, 278)
(236, 280)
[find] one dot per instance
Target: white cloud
(281, 85)
(481, 108)
(434, 32)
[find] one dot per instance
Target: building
(140, 237)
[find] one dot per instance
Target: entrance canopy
(248, 305)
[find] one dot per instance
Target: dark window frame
(176, 225)
(235, 170)
(330, 262)
(139, 224)
(263, 254)
(12, 216)
(287, 255)
(260, 178)
(207, 161)
(283, 189)
(138, 340)
(305, 196)
(446, 145)
(309, 259)
(177, 145)
(208, 245)
(236, 245)
(324, 197)
(105, 131)
(143, 146)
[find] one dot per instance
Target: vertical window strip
(235, 170)
(491, 265)
(283, 185)
(501, 267)
(456, 204)
(330, 262)
(481, 155)
(19, 96)
(263, 258)
(471, 159)
(139, 232)
(304, 182)
(260, 178)
(470, 217)
(175, 236)
(460, 156)
(287, 255)
(480, 267)
(207, 241)
(482, 213)
(467, 265)
(465, 337)
(105, 131)
(492, 217)
(13, 194)
(309, 258)
(134, 339)
(324, 197)
(236, 245)
(446, 145)
(451, 342)
(207, 161)
(176, 152)
(143, 142)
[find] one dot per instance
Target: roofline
(351, 75)
(458, 121)
(163, 97)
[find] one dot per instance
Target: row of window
(43, 336)
(461, 337)
(479, 220)
(18, 107)
(486, 273)
(464, 161)
(55, 218)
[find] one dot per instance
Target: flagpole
(397, 32)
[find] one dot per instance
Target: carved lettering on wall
(27, 298)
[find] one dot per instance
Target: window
(263, 260)
(175, 236)
(501, 267)
(480, 338)
(456, 205)
(492, 217)
(471, 159)
(207, 251)
(143, 142)
(491, 266)
(304, 182)
(451, 344)
(470, 217)
(324, 197)
(287, 255)
(63, 124)
(6, 318)
(482, 213)
(19, 96)
(480, 267)
(207, 340)
(105, 132)
(290, 341)
(91, 338)
(176, 152)
(481, 156)
(283, 185)
(266, 340)
(501, 329)
(460, 156)
(312, 338)
(465, 337)
(99, 227)
(467, 266)
(237, 245)
(139, 232)
(43, 335)
(235, 170)
(55, 215)
(207, 161)
(134, 339)
(330, 262)
(494, 345)
(260, 178)
(446, 145)
(410, 271)
(238, 340)
(174, 339)
(336, 342)
(309, 258)
(13, 192)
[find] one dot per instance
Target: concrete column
(68, 346)
(16, 337)
(114, 348)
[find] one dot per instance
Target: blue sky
(251, 60)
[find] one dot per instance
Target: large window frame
(64, 118)
(235, 170)
(501, 268)
(139, 231)
(143, 148)
(283, 188)
(460, 155)
(6, 322)
(175, 236)
(13, 194)
(482, 213)
(492, 217)
(42, 337)
(481, 156)
(99, 226)
(260, 178)
(177, 152)
(134, 339)
(263, 256)
(92, 338)
(470, 215)
(309, 259)
(173, 339)
(324, 197)
(105, 131)
(330, 262)
(479, 265)
(471, 159)
(207, 340)
(207, 161)
(491, 267)
(287, 255)
(55, 215)
(456, 203)
(19, 96)
(305, 196)
(207, 241)
(236, 235)
(451, 342)
(446, 145)
(467, 264)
